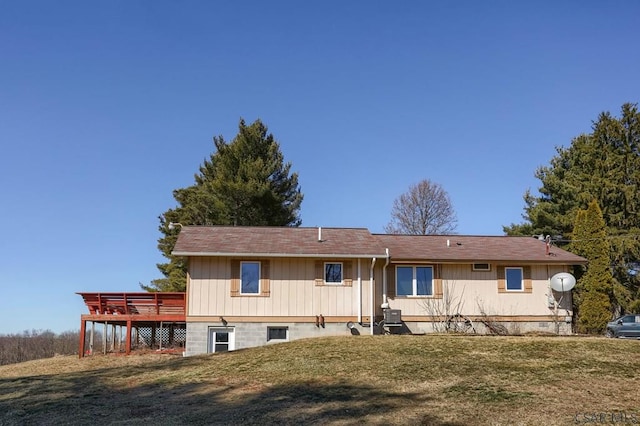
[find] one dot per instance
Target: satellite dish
(563, 281)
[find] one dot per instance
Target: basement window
(278, 334)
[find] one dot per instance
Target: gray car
(625, 326)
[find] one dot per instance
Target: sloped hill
(437, 380)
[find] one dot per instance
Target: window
(250, 277)
(221, 339)
(629, 319)
(333, 273)
(514, 279)
(414, 281)
(481, 267)
(277, 333)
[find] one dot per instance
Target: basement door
(221, 339)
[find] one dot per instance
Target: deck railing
(161, 303)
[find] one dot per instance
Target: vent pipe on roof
(319, 234)
(448, 243)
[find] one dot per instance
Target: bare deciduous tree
(446, 313)
(36, 344)
(425, 209)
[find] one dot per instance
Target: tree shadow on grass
(86, 398)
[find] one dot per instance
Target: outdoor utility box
(392, 316)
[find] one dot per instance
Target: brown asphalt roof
(448, 248)
(359, 242)
(277, 241)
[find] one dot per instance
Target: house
(250, 286)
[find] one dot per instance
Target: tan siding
(347, 273)
(437, 281)
(391, 281)
(293, 292)
(279, 286)
(479, 291)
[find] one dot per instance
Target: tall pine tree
(243, 183)
(603, 165)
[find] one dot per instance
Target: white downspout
(359, 293)
(385, 304)
(371, 318)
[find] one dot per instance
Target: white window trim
(506, 279)
(211, 339)
(259, 276)
(488, 269)
(414, 281)
(324, 272)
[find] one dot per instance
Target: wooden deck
(132, 311)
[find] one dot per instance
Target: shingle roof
(359, 242)
(276, 241)
(476, 249)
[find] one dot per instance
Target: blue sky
(107, 107)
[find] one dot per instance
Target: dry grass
(432, 380)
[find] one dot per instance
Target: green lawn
(433, 380)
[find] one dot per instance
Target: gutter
(282, 255)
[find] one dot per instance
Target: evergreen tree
(603, 165)
(245, 182)
(594, 291)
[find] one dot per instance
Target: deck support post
(128, 344)
(153, 335)
(112, 341)
(91, 337)
(120, 339)
(83, 325)
(104, 338)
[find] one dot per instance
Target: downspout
(359, 293)
(385, 304)
(371, 319)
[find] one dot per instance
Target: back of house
(250, 286)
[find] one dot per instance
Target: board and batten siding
(293, 291)
(476, 291)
